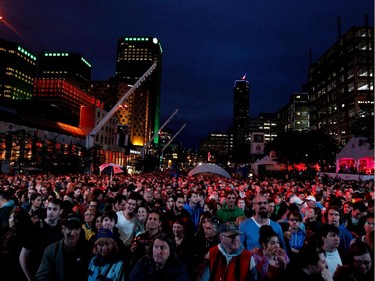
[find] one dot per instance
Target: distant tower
(134, 56)
(241, 120)
(17, 71)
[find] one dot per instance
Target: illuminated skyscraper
(341, 84)
(241, 120)
(17, 71)
(67, 65)
(62, 82)
(135, 55)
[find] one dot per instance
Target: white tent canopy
(356, 156)
(265, 161)
(209, 169)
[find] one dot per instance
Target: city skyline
(205, 49)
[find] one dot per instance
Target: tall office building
(341, 83)
(217, 147)
(265, 123)
(295, 115)
(135, 55)
(67, 65)
(17, 71)
(106, 91)
(241, 120)
(62, 82)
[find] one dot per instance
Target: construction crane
(90, 136)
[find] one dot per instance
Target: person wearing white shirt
(127, 220)
(329, 235)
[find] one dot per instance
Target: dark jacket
(346, 273)
(146, 270)
(52, 266)
(297, 274)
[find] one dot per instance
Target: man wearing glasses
(229, 260)
(298, 235)
(250, 227)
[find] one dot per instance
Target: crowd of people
(154, 226)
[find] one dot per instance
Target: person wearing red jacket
(229, 260)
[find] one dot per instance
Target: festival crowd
(155, 226)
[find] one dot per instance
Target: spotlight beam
(11, 27)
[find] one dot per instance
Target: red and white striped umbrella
(111, 168)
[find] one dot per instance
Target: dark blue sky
(207, 45)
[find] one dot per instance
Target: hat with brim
(229, 228)
(295, 200)
(104, 233)
(72, 221)
(310, 198)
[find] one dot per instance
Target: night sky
(207, 45)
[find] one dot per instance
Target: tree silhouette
(303, 147)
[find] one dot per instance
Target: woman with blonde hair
(107, 263)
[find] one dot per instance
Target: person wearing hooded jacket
(107, 263)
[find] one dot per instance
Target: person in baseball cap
(104, 233)
(310, 198)
(106, 264)
(73, 221)
(296, 200)
(239, 261)
(229, 229)
(310, 203)
(54, 265)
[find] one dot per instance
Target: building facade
(17, 71)
(341, 83)
(104, 91)
(218, 147)
(135, 55)
(241, 91)
(265, 123)
(67, 65)
(63, 82)
(294, 116)
(64, 96)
